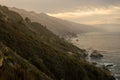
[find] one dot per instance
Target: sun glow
(80, 13)
(91, 16)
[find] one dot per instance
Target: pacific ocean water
(107, 43)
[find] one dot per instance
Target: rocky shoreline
(101, 59)
(97, 55)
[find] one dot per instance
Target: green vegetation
(35, 53)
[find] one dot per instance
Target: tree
(27, 20)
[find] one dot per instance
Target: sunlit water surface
(109, 43)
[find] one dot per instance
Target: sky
(90, 12)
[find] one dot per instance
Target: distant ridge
(58, 26)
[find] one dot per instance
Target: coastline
(99, 65)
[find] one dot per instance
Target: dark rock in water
(94, 63)
(96, 54)
(117, 77)
(113, 78)
(108, 65)
(85, 53)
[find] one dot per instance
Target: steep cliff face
(35, 53)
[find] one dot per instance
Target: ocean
(107, 43)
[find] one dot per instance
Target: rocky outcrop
(96, 54)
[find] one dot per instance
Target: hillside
(29, 51)
(58, 26)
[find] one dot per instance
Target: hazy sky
(81, 11)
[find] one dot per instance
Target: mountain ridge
(58, 26)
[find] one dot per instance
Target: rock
(94, 63)
(96, 54)
(109, 65)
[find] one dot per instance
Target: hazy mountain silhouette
(56, 25)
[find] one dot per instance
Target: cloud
(92, 16)
(118, 19)
(81, 11)
(52, 6)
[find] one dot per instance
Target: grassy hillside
(31, 52)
